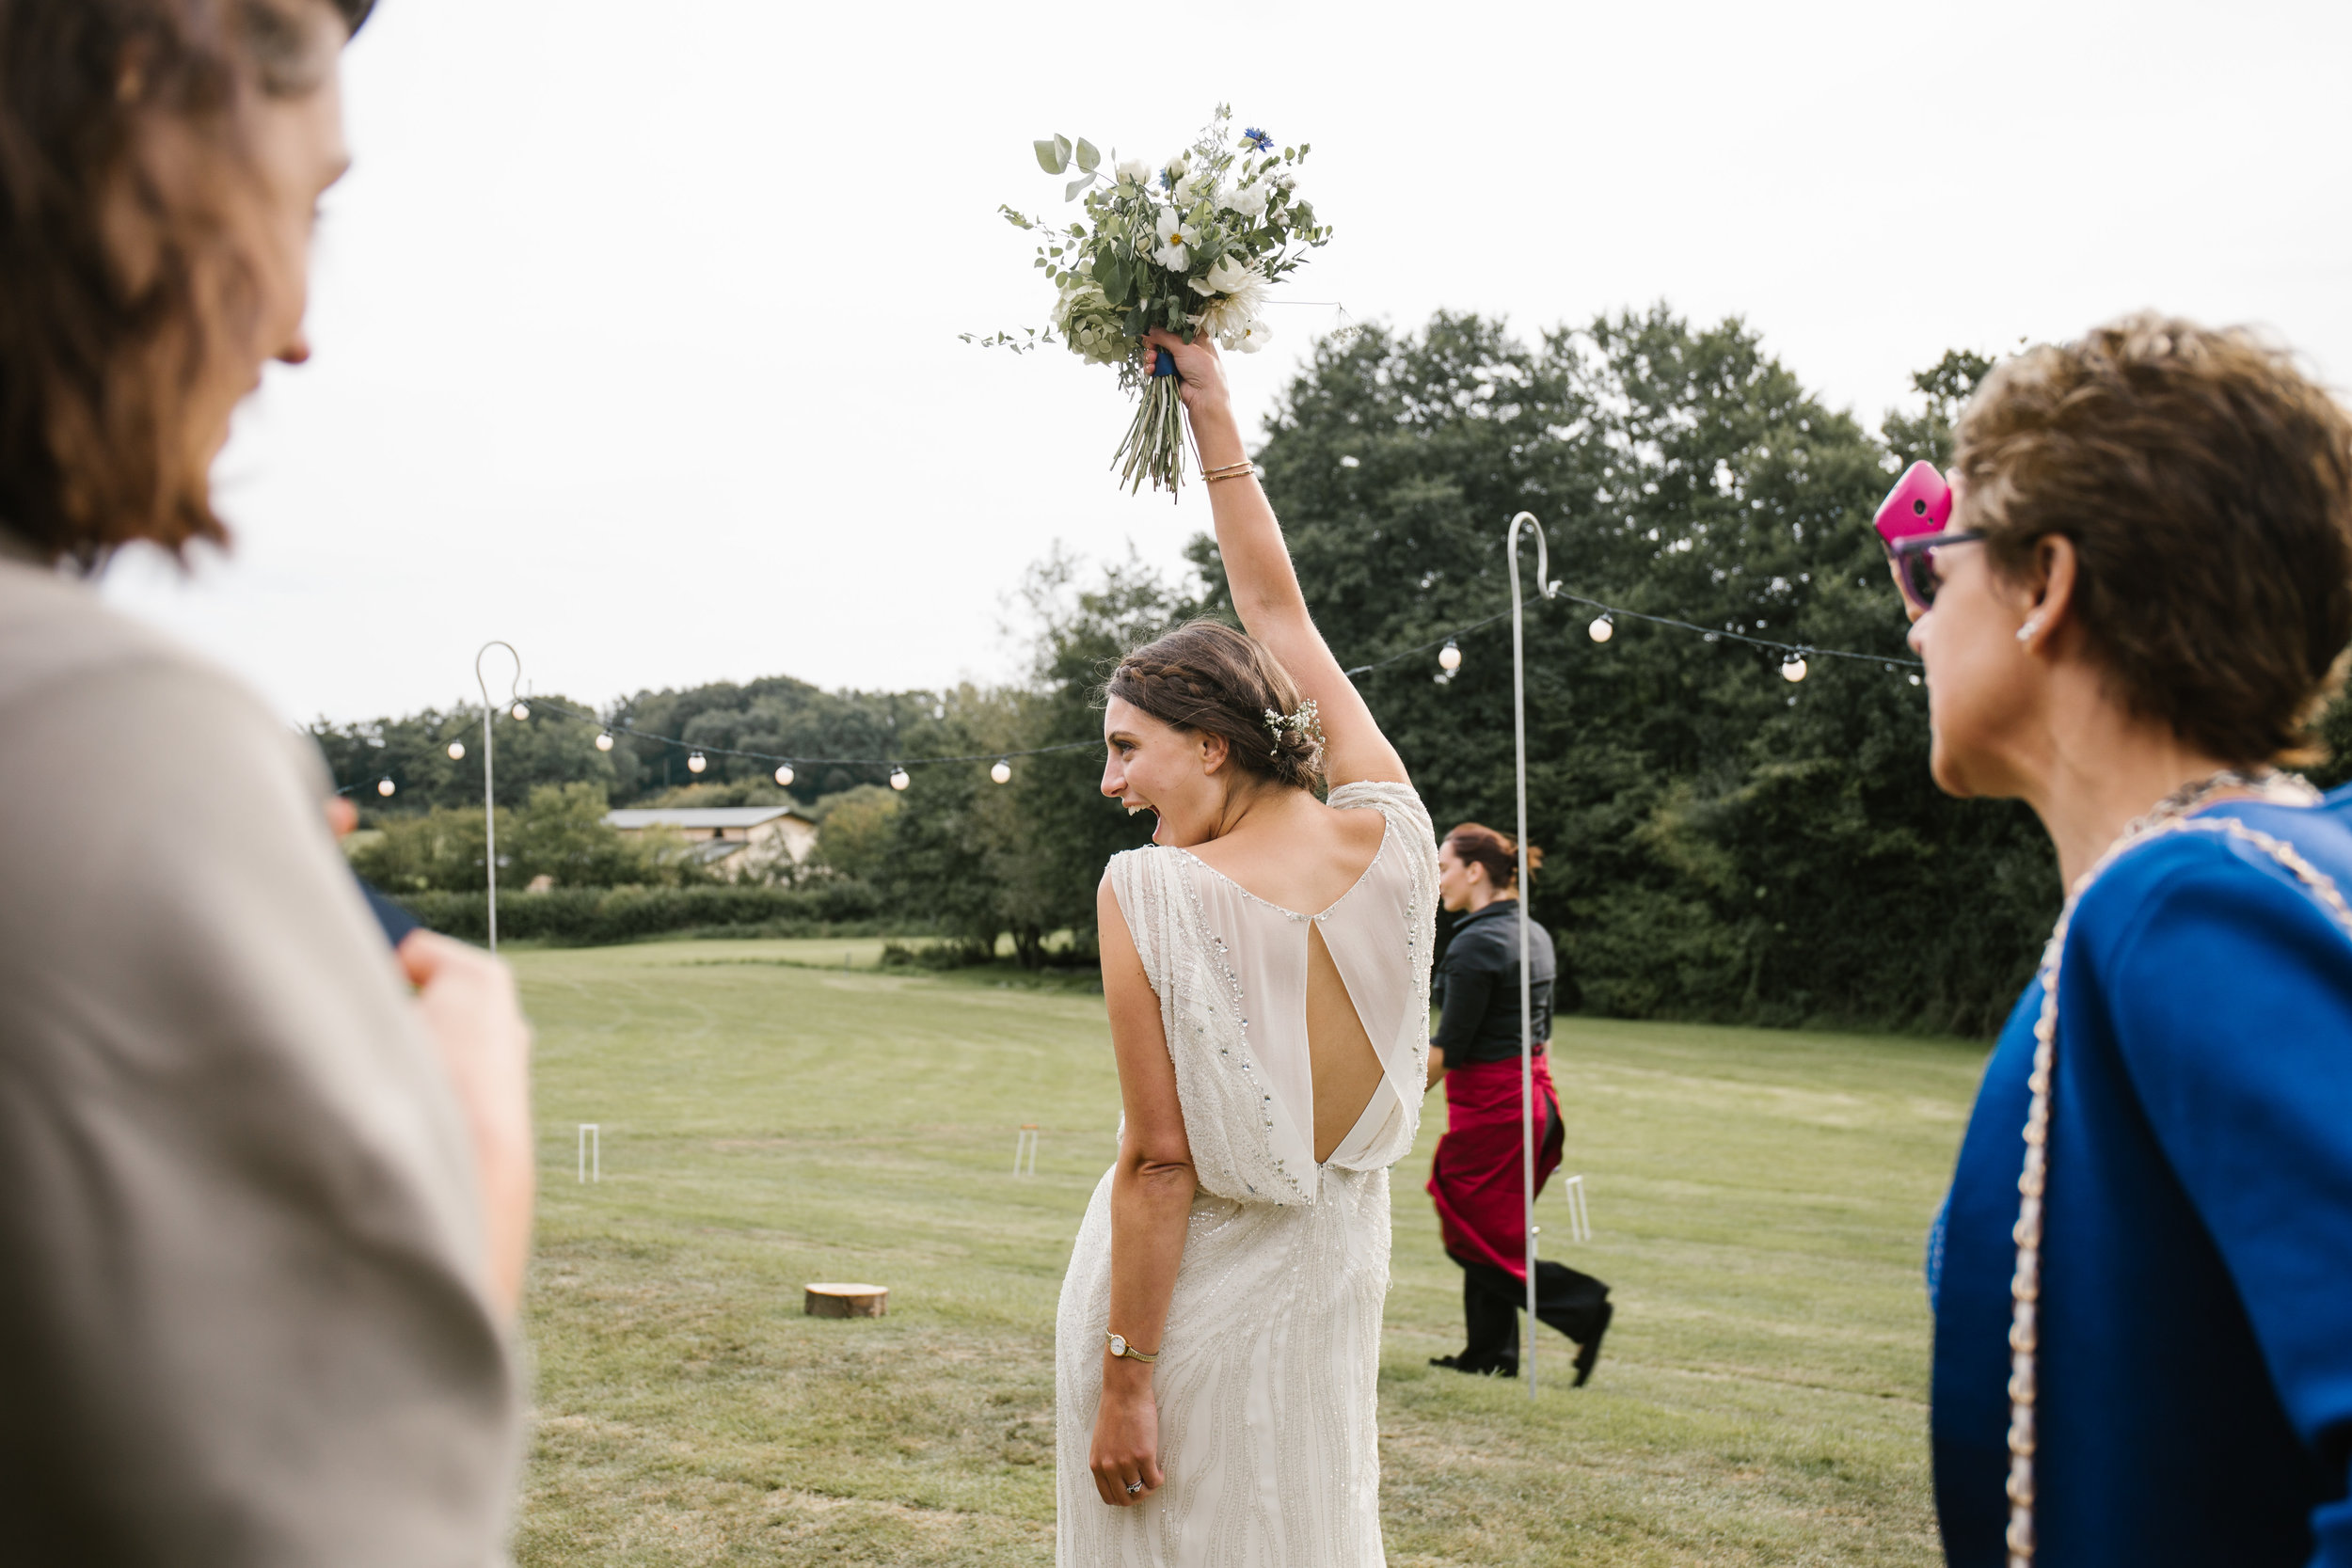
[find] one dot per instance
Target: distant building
(727, 838)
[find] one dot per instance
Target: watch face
(1119, 1345)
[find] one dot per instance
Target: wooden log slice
(847, 1300)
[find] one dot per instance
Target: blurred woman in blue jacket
(2142, 1277)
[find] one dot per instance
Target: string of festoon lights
(1793, 668)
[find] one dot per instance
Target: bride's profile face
(1149, 765)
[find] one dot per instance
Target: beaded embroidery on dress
(1267, 1373)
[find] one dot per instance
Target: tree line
(1723, 844)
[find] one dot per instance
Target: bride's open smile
(1181, 776)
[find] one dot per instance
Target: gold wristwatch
(1121, 1347)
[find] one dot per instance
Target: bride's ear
(1214, 748)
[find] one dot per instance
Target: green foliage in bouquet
(1191, 246)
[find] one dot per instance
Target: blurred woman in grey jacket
(264, 1186)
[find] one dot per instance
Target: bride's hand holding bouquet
(1199, 376)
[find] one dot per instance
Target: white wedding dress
(1268, 1369)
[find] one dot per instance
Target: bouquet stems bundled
(1191, 246)
(1155, 447)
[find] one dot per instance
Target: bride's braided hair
(1207, 677)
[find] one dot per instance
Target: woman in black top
(1477, 1178)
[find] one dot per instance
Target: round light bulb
(1002, 773)
(1602, 628)
(385, 786)
(898, 778)
(695, 764)
(456, 751)
(1793, 670)
(1449, 656)
(522, 710)
(604, 743)
(783, 774)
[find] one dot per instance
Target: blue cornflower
(1253, 138)
(1167, 179)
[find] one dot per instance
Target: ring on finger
(1134, 1487)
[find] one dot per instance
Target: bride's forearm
(1249, 539)
(1151, 1203)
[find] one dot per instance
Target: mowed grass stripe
(1759, 1200)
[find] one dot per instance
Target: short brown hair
(92, 361)
(1475, 844)
(1206, 677)
(2206, 484)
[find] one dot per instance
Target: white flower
(1228, 276)
(1242, 292)
(1288, 181)
(1193, 186)
(1174, 168)
(1252, 337)
(1136, 171)
(1175, 236)
(1248, 201)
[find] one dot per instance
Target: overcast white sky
(636, 324)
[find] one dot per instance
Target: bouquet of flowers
(1191, 246)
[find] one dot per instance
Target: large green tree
(1723, 842)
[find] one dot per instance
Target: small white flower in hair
(1302, 723)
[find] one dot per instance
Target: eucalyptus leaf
(1052, 156)
(1088, 157)
(1076, 185)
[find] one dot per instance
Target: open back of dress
(1368, 931)
(1231, 972)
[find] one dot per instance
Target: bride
(1266, 964)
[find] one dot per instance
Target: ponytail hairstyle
(1476, 845)
(1206, 678)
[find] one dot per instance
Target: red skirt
(1476, 1177)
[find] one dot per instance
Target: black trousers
(1492, 1299)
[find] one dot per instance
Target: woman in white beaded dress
(1265, 962)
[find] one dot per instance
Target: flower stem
(1155, 447)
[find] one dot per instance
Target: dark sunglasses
(1910, 524)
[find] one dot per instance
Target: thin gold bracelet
(1236, 470)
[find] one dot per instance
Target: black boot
(1589, 1352)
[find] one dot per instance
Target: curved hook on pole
(489, 794)
(1544, 584)
(1547, 588)
(515, 687)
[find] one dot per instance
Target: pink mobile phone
(1920, 502)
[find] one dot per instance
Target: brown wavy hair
(1475, 844)
(98, 352)
(1208, 678)
(2206, 484)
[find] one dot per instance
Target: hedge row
(592, 916)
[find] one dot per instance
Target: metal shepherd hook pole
(489, 797)
(1545, 586)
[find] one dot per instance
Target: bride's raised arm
(1265, 590)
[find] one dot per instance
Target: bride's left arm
(1152, 1191)
(1258, 572)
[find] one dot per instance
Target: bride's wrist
(1123, 1377)
(1218, 436)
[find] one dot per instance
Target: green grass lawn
(770, 1118)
